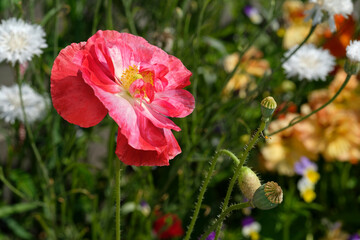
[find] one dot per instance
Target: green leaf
(18, 208)
(17, 229)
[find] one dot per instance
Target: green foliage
(77, 201)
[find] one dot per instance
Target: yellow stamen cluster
(129, 76)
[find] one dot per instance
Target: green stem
(301, 44)
(109, 24)
(222, 217)
(9, 185)
(203, 188)
(129, 17)
(28, 129)
(118, 196)
(96, 16)
(299, 119)
(237, 172)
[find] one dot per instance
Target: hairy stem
(222, 217)
(204, 186)
(237, 172)
(118, 197)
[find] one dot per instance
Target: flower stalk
(223, 215)
(118, 198)
(204, 186)
(237, 171)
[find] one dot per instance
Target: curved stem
(222, 217)
(237, 172)
(204, 186)
(299, 119)
(118, 197)
(9, 185)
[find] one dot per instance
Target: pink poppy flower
(137, 83)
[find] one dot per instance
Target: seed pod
(248, 182)
(268, 196)
(268, 106)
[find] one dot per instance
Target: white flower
(331, 7)
(20, 41)
(250, 229)
(10, 107)
(305, 184)
(309, 63)
(353, 51)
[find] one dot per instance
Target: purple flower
(354, 237)
(303, 164)
(247, 221)
(253, 14)
(211, 236)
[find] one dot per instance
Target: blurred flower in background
(20, 41)
(168, 226)
(285, 148)
(253, 14)
(10, 105)
(252, 65)
(306, 185)
(334, 231)
(250, 228)
(331, 8)
(295, 27)
(308, 63)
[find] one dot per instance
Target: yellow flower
(312, 175)
(308, 195)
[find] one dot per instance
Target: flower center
(16, 42)
(138, 84)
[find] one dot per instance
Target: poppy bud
(248, 182)
(268, 106)
(268, 196)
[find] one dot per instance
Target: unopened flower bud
(351, 67)
(248, 182)
(352, 64)
(268, 106)
(268, 196)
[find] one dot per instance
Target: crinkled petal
(174, 103)
(72, 98)
(178, 76)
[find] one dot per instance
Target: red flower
(137, 83)
(168, 226)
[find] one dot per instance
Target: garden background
(234, 51)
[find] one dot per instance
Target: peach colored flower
(252, 65)
(283, 149)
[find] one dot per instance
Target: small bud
(268, 196)
(351, 67)
(248, 182)
(268, 106)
